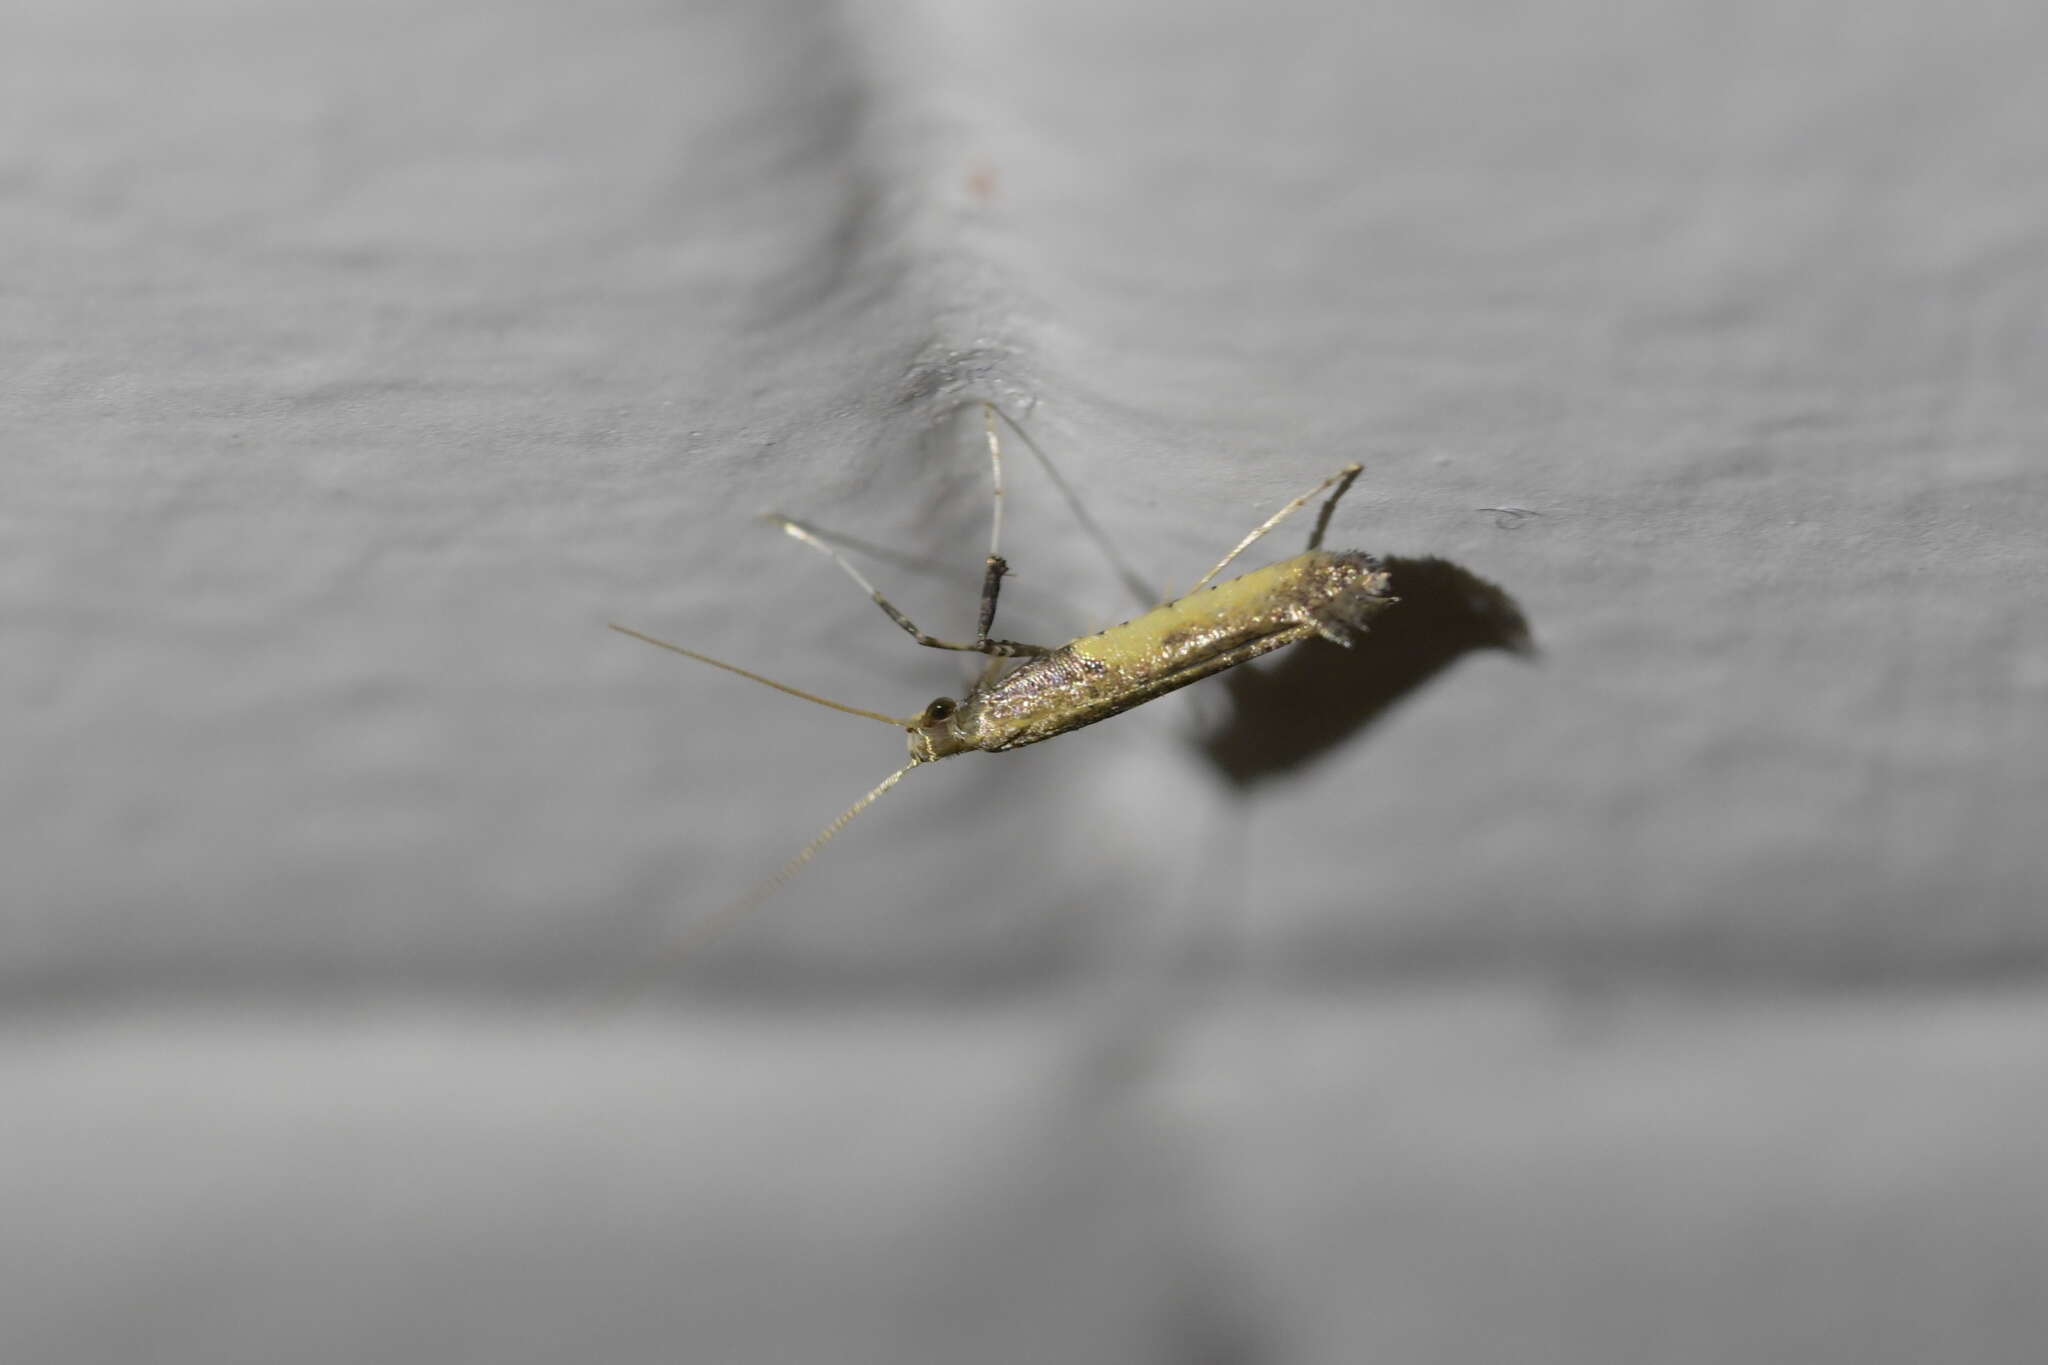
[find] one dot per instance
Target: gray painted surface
(1671, 996)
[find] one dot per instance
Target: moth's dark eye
(940, 709)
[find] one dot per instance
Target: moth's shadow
(1312, 698)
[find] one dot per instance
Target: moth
(1029, 693)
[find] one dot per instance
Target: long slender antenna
(900, 722)
(698, 934)
(718, 922)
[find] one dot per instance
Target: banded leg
(1134, 582)
(997, 566)
(1342, 479)
(981, 645)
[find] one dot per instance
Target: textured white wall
(1671, 996)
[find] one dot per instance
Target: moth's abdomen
(1354, 589)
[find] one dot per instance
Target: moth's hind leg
(1346, 476)
(1342, 479)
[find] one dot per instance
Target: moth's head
(934, 732)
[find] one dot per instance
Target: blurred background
(1632, 952)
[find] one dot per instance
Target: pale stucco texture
(1633, 952)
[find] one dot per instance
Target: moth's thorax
(1097, 676)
